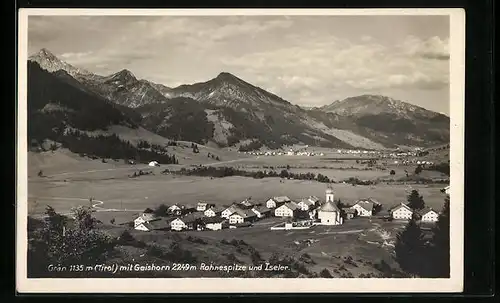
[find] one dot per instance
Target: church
(328, 212)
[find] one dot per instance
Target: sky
(307, 60)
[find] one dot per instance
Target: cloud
(323, 64)
(432, 48)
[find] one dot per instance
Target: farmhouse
(261, 211)
(202, 206)
(402, 211)
(215, 223)
(306, 204)
(146, 216)
(156, 224)
(174, 209)
(277, 201)
(214, 211)
(246, 204)
(229, 211)
(329, 214)
(428, 215)
(191, 222)
(242, 215)
(364, 208)
(288, 209)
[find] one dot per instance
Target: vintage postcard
(240, 150)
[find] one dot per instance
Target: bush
(325, 274)
(392, 172)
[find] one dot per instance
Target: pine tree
(415, 201)
(409, 249)
(440, 244)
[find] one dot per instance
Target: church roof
(329, 191)
(329, 207)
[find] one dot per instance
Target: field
(70, 181)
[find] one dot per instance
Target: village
(306, 213)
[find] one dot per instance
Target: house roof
(245, 213)
(307, 202)
(262, 209)
(349, 210)
(402, 205)
(313, 198)
(202, 203)
(159, 223)
(426, 210)
(192, 217)
(217, 209)
(281, 199)
(365, 204)
(207, 220)
(245, 204)
(291, 205)
(329, 207)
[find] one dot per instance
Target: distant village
(400, 157)
(307, 212)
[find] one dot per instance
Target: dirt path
(96, 205)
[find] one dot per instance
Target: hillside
(386, 120)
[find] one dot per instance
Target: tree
(439, 250)
(392, 172)
(161, 210)
(40, 173)
(325, 273)
(66, 243)
(418, 169)
(415, 201)
(409, 249)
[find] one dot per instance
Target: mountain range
(228, 110)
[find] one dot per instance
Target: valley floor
(72, 181)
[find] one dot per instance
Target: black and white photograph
(321, 148)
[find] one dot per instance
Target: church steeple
(329, 194)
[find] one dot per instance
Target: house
(401, 211)
(428, 215)
(364, 208)
(146, 216)
(178, 224)
(215, 223)
(202, 206)
(246, 204)
(329, 214)
(242, 215)
(313, 199)
(191, 221)
(229, 211)
(277, 201)
(214, 211)
(306, 204)
(349, 212)
(175, 210)
(261, 211)
(154, 163)
(156, 224)
(288, 209)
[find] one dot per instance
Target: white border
(261, 285)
